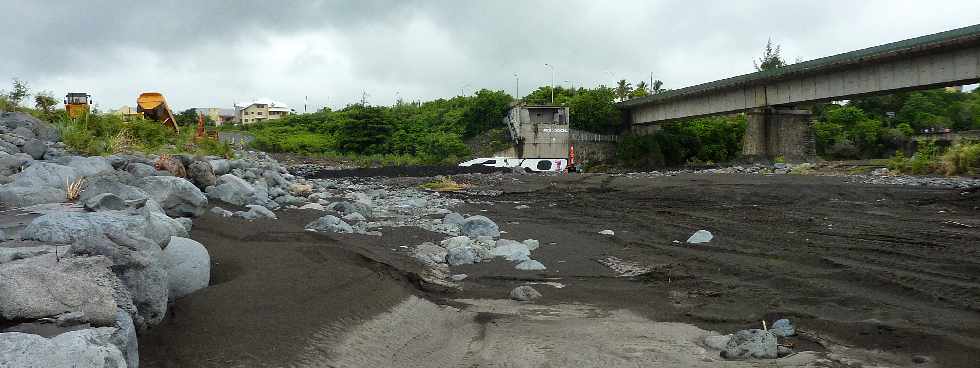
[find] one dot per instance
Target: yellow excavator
(154, 107)
(77, 104)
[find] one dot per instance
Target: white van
(528, 164)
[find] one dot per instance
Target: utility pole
(306, 101)
(552, 67)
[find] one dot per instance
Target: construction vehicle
(202, 132)
(154, 107)
(77, 104)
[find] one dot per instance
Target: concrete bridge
(776, 100)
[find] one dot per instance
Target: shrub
(963, 158)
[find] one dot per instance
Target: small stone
(530, 265)
(607, 232)
(782, 351)
(532, 244)
(354, 217)
(524, 293)
(458, 277)
(313, 206)
(221, 212)
(920, 359)
(751, 344)
(700, 236)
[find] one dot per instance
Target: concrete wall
(786, 133)
(954, 66)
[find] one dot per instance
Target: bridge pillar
(775, 132)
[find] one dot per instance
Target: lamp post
(517, 87)
(552, 67)
(461, 89)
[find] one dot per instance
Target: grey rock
(700, 236)
(256, 212)
(782, 351)
(478, 225)
(531, 244)
(140, 170)
(8, 147)
(87, 166)
(201, 174)
(22, 196)
(462, 254)
(12, 164)
(188, 266)
(290, 200)
(177, 196)
(329, 223)
(354, 217)
(10, 254)
(607, 232)
(88, 348)
(222, 212)
(428, 252)
(69, 227)
(274, 179)
(45, 174)
(751, 344)
(43, 287)
(783, 328)
(35, 148)
(114, 184)
(530, 265)
(232, 189)
(220, 167)
(524, 293)
(346, 208)
(453, 218)
(24, 132)
(717, 342)
(186, 223)
(511, 250)
(125, 339)
(313, 206)
(458, 277)
(105, 201)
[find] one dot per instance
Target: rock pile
(753, 343)
(105, 251)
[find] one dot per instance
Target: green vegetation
(426, 133)
(706, 140)
(106, 134)
(771, 58)
(963, 158)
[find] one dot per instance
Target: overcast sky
(215, 53)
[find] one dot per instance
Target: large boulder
(87, 166)
(454, 219)
(475, 226)
(114, 184)
(751, 344)
(22, 196)
(137, 262)
(69, 227)
(232, 189)
(511, 250)
(42, 286)
(177, 196)
(783, 328)
(220, 166)
(140, 170)
(125, 338)
(24, 132)
(201, 174)
(105, 201)
(12, 164)
(35, 148)
(87, 348)
(427, 253)
(46, 174)
(256, 212)
(329, 223)
(188, 266)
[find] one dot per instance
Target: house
(217, 115)
(544, 131)
(261, 110)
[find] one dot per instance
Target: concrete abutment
(779, 132)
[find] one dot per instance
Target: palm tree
(658, 87)
(642, 86)
(623, 89)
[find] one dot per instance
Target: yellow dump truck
(154, 107)
(77, 104)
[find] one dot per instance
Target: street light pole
(517, 87)
(552, 67)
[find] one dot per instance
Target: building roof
(916, 45)
(264, 101)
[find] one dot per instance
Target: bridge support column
(779, 132)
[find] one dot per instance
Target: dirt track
(872, 267)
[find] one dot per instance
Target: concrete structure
(218, 115)
(944, 59)
(261, 110)
(544, 132)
